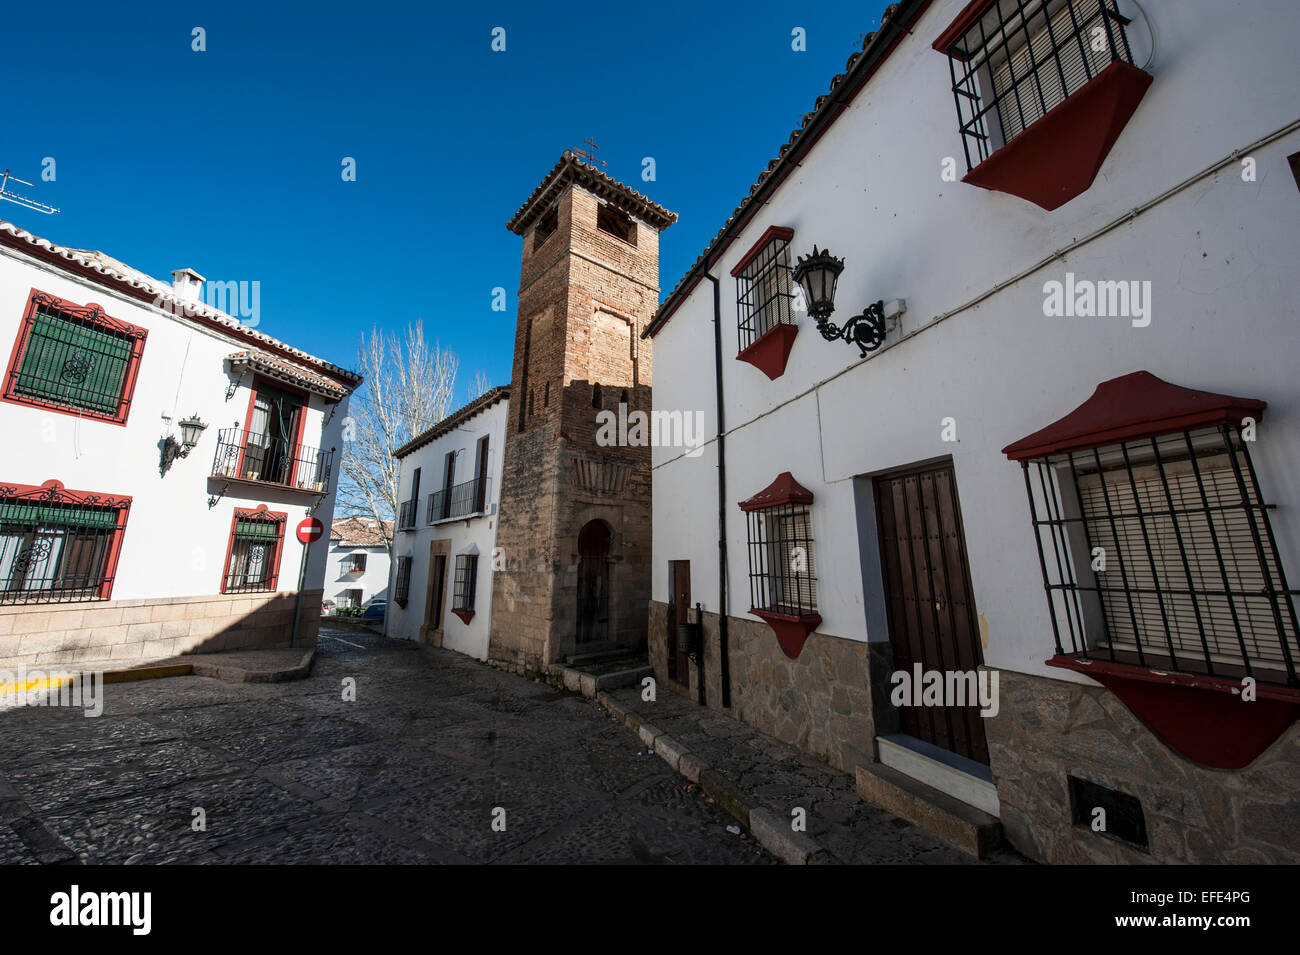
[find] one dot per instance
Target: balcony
(459, 500)
(406, 516)
(253, 458)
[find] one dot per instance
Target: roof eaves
(98, 267)
(896, 19)
(454, 420)
(572, 169)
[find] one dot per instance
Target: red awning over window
(784, 490)
(1138, 405)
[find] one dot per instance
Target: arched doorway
(593, 583)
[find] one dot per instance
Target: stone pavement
(411, 772)
(761, 781)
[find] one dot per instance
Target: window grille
(75, 358)
(54, 548)
(782, 578)
(1024, 57)
(463, 589)
(765, 292)
(1191, 580)
(254, 563)
(402, 583)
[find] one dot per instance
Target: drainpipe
(724, 668)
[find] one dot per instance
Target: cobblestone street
(409, 772)
(289, 772)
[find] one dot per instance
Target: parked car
(376, 611)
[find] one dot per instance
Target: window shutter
(1126, 558)
(1025, 100)
(75, 364)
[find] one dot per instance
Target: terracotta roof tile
(454, 420)
(163, 295)
(874, 47)
(572, 169)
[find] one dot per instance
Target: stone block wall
(820, 702)
(1047, 730)
(139, 631)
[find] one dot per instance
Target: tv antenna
(590, 154)
(22, 200)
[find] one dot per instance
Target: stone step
(959, 777)
(957, 823)
(590, 657)
(591, 681)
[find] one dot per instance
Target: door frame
(903, 633)
(679, 608)
(431, 631)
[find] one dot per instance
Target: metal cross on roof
(590, 154)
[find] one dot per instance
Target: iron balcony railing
(248, 456)
(406, 515)
(459, 500)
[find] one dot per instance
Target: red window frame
(299, 428)
(260, 513)
(95, 315)
(54, 492)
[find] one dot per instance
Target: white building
(118, 540)
(357, 571)
(877, 522)
(447, 527)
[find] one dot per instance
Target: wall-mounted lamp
(191, 429)
(818, 274)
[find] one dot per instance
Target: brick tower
(575, 516)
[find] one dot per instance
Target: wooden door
(593, 583)
(679, 606)
(928, 599)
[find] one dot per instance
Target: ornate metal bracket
(212, 501)
(867, 330)
(330, 417)
(234, 385)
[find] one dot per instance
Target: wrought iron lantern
(818, 275)
(191, 429)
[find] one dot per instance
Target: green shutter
(56, 346)
(254, 530)
(45, 515)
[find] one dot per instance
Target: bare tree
(408, 388)
(480, 386)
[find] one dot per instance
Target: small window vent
(1108, 812)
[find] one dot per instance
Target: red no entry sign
(310, 530)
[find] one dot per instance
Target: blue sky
(228, 161)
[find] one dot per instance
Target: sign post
(309, 530)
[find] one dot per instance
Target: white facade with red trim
(1196, 197)
(173, 544)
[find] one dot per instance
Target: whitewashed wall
(372, 582)
(174, 545)
(464, 533)
(1220, 256)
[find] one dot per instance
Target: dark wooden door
(928, 597)
(593, 583)
(437, 591)
(679, 606)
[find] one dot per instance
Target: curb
(233, 674)
(768, 829)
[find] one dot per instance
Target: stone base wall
(1047, 729)
(821, 702)
(137, 631)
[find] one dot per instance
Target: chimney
(187, 284)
